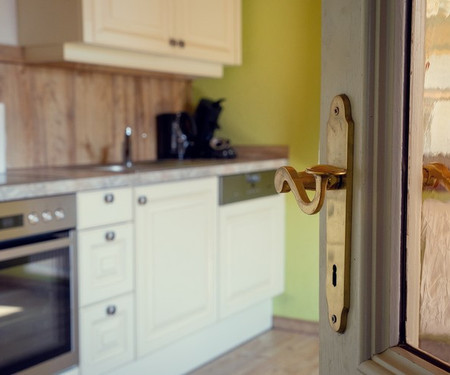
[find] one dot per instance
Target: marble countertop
(36, 182)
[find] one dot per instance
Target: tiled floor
(275, 352)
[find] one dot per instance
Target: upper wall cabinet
(194, 37)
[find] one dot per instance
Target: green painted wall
(274, 98)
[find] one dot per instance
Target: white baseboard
(201, 347)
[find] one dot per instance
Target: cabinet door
(209, 29)
(106, 335)
(105, 262)
(251, 248)
(176, 255)
(134, 24)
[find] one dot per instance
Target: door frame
(366, 55)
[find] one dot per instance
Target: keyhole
(334, 275)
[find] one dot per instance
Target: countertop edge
(67, 184)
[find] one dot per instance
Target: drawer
(105, 262)
(244, 186)
(107, 335)
(103, 207)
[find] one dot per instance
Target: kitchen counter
(28, 183)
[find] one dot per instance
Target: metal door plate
(339, 213)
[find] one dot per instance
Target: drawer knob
(173, 42)
(111, 310)
(110, 236)
(142, 200)
(181, 43)
(109, 198)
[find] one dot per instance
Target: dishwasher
(251, 240)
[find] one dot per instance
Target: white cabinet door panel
(251, 249)
(176, 256)
(102, 207)
(137, 24)
(105, 262)
(106, 335)
(210, 29)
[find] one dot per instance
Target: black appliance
(38, 296)
(206, 116)
(177, 133)
(182, 136)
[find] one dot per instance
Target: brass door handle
(319, 178)
(334, 182)
(435, 174)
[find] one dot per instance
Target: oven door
(38, 306)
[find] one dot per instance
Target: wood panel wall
(66, 115)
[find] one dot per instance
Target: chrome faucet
(127, 148)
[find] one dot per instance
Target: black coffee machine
(177, 134)
(182, 136)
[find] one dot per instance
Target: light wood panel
(63, 116)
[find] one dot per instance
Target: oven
(38, 296)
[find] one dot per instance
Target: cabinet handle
(109, 236)
(109, 198)
(181, 43)
(173, 42)
(142, 200)
(111, 310)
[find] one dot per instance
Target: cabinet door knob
(173, 42)
(181, 43)
(110, 236)
(142, 200)
(111, 310)
(109, 198)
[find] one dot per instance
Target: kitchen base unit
(175, 261)
(197, 349)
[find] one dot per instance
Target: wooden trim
(295, 325)
(399, 361)
(11, 54)
(415, 176)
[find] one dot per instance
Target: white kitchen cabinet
(176, 260)
(208, 30)
(105, 244)
(102, 207)
(194, 37)
(201, 29)
(132, 24)
(105, 262)
(107, 335)
(251, 248)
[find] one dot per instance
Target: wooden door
(176, 260)
(366, 54)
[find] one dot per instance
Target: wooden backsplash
(64, 116)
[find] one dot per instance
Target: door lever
(319, 178)
(333, 181)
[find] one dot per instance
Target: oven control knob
(33, 218)
(47, 216)
(60, 214)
